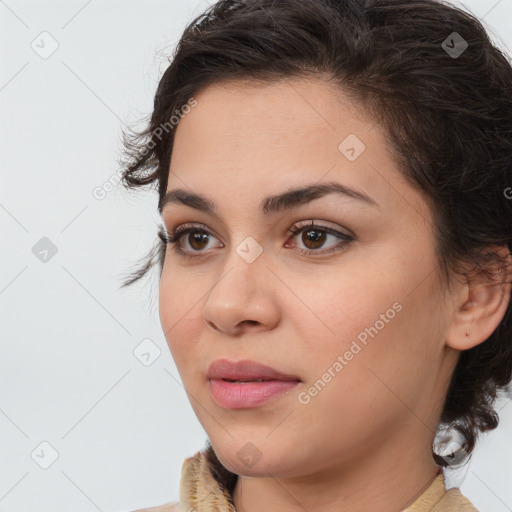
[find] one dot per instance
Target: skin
(364, 441)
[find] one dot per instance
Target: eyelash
(174, 239)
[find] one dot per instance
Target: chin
(248, 459)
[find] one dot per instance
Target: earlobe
(482, 306)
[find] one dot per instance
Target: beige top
(200, 491)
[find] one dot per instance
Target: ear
(480, 303)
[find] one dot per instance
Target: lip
(244, 394)
(245, 370)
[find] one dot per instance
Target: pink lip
(244, 395)
(241, 395)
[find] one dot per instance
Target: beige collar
(200, 491)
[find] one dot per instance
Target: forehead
(246, 140)
(276, 113)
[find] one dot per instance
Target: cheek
(351, 305)
(180, 309)
(374, 332)
(362, 386)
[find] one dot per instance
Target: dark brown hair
(446, 110)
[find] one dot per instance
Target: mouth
(247, 384)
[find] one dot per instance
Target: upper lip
(245, 370)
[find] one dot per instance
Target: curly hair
(446, 110)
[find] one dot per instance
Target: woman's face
(360, 321)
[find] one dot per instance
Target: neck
(382, 483)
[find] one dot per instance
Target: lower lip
(236, 395)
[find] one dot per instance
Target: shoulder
(166, 507)
(454, 500)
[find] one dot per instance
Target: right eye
(197, 243)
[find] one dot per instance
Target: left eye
(314, 236)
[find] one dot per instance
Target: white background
(68, 375)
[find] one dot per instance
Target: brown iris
(314, 236)
(198, 237)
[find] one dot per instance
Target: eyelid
(325, 225)
(183, 227)
(200, 226)
(192, 226)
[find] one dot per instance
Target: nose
(243, 298)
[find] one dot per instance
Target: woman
(334, 186)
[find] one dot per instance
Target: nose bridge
(243, 292)
(249, 250)
(245, 267)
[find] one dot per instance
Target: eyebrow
(287, 200)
